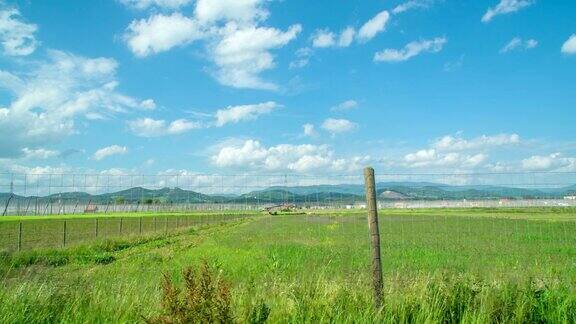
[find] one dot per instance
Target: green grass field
(440, 265)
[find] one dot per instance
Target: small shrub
(205, 298)
(103, 259)
(259, 314)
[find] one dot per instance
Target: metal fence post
(372, 208)
(96, 227)
(121, 225)
(140, 225)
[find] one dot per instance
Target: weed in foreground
(205, 298)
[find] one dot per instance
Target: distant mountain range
(318, 193)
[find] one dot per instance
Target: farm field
(440, 265)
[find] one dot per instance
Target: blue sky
(270, 86)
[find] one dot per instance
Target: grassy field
(31, 232)
(476, 266)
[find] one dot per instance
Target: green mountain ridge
(310, 194)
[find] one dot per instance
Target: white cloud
(309, 130)
(451, 143)
(346, 105)
(39, 154)
(555, 161)
(148, 127)
(240, 11)
(17, 37)
(323, 38)
(412, 49)
(302, 58)
(235, 114)
(235, 43)
(412, 4)
(160, 33)
(455, 152)
(373, 26)
(346, 37)
(569, 47)
(165, 4)
(433, 158)
(518, 43)
(505, 7)
(51, 95)
(109, 151)
(251, 154)
(421, 156)
(243, 53)
(338, 126)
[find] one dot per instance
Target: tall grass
(460, 267)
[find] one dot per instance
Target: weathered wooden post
(372, 208)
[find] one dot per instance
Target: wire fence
(63, 194)
(423, 217)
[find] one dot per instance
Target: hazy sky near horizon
(292, 86)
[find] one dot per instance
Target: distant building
(570, 198)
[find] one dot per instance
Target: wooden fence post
(372, 208)
(140, 225)
(121, 226)
(96, 227)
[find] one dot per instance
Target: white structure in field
(570, 198)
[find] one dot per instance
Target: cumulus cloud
(555, 161)
(239, 48)
(302, 58)
(518, 43)
(373, 26)
(456, 152)
(323, 38)
(160, 33)
(433, 158)
(240, 11)
(109, 151)
(243, 53)
(412, 4)
(338, 126)
(235, 114)
(251, 154)
(51, 95)
(505, 7)
(148, 127)
(346, 105)
(39, 154)
(411, 50)
(16, 36)
(457, 143)
(346, 37)
(569, 47)
(165, 4)
(309, 130)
